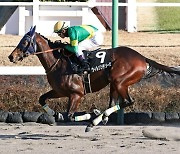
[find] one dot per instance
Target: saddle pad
(99, 59)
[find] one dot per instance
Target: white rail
(22, 70)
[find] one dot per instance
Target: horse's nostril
(10, 58)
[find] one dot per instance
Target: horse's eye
(25, 43)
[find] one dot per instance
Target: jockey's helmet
(59, 26)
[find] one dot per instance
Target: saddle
(98, 59)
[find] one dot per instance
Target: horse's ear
(28, 33)
(32, 30)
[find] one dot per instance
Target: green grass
(168, 18)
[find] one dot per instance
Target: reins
(46, 51)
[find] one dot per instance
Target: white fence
(34, 11)
(45, 14)
(22, 70)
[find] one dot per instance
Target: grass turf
(168, 18)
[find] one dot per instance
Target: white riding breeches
(91, 43)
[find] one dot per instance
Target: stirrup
(86, 68)
(83, 70)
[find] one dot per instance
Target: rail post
(35, 12)
(131, 16)
(120, 113)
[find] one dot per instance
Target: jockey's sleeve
(78, 34)
(71, 48)
(73, 36)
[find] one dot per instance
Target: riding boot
(84, 64)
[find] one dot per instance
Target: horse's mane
(53, 44)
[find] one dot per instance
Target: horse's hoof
(71, 118)
(89, 128)
(105, 120)
(58, 117)
(97, 112)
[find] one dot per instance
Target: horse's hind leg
(124, 95)
(119, 95)
(102, 117)
(119, 98)
(127, 102)
(113, 96)
(114, 100)
(113, 107)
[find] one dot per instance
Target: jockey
(82, 37)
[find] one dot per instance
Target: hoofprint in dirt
(39, 138)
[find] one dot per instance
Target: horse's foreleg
(44, 97)
(74, 101)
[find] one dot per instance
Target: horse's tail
(155, 68)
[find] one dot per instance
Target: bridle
(31, 47)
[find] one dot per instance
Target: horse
(127, 68)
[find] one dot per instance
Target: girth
(86, 83)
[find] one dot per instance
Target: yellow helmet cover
(59, 26)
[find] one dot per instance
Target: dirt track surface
(164, 48)
(39, 138)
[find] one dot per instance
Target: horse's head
(26, 46)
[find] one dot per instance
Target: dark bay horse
(128, 67)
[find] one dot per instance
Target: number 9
(101, 55)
